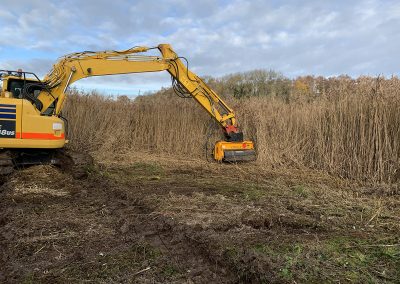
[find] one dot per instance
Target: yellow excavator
(32, 127)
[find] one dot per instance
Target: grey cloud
(295, 37)
(38, 66)
(143, 82)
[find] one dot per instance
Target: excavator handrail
(17, 73)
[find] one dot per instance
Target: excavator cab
(22, 125)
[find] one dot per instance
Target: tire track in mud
(203, 250)
(176, 241)
(104, 230)
(118, 214)
(201, 253)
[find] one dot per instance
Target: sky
(222, 37)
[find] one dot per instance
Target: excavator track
(77, 163)
(6, 163)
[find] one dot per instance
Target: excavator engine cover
(234, 151)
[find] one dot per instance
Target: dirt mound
(78, 164)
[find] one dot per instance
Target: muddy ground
(142, 221)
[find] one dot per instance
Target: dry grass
(348, 128)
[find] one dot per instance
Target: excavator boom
(37, 104)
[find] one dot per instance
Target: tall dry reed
(349, 128)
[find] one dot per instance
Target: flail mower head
(234, 148)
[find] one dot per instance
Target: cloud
(39, 66)
(218, 37)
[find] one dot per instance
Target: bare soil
(146, 221)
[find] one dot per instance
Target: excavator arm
(76, 66)
(201, 92)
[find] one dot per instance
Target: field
(320, 205)
(153, 220)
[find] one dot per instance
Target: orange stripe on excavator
(44, 136)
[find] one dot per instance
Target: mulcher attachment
(225, 151)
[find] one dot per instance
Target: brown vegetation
(346, 127)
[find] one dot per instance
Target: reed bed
(346, 127)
